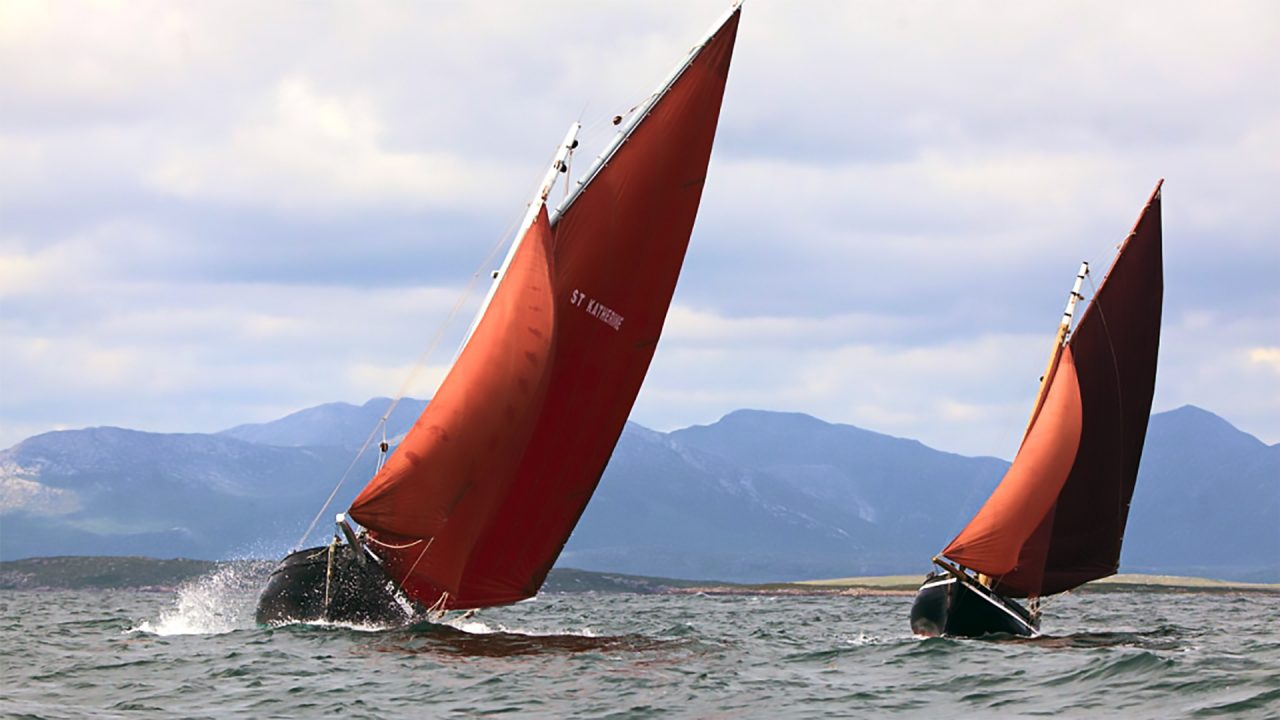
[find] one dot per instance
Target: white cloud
(962, 394)
(1268, 357)
(206, 357)
(201, 205)
(320, 153)
(18, 273)
(955, 394)
(82, 63)
(408, 380)
(1212, 360)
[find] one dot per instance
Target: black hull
(308, 587)
(947, 606)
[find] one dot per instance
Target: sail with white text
(474, 506)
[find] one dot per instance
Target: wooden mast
(1059, 342)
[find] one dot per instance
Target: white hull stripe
(936, 583)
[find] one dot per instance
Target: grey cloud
(891, 185)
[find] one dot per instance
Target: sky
(220, 213)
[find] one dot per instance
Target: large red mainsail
(477, 502)
(1057, 519)
(449, 474)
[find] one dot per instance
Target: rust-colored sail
(485, 527)
(1076, 536)
(436, 493)
(994, 538)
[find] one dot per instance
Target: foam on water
(654, 654)
(224, 601)
(473, 626)
(217, 603)
(863, 638)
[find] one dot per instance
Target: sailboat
(1057, 518)
(476, 503)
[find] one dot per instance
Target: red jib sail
(477, 502)
(1057, 518)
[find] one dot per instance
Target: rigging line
(599, 123)
(961, 511)
(616, 120)
(438, 610)
(1048, 601)
(328, 574)
(376, 541)
(382, 449)
(404, 387)
(568, 170)
(415, 563)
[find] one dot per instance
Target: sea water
(197, 653)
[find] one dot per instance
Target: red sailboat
(475, 505)
(1057, 519)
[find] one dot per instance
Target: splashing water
(217, 603)
(474, 627)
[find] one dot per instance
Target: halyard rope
(413, 373)
(376, 541)
(421, 362)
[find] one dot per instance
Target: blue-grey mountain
(756, 496)
(1207, 501)
(337, 424)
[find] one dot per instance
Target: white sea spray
(219, 602)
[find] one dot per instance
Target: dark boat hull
(945, 605)
(333, 584)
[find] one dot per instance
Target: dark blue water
(198, 654)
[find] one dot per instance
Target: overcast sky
(217, 213)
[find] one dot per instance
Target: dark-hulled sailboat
(1057, 519)
(476, 503)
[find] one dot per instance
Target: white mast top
(558, 165)
(567, 146)
(1071, 301)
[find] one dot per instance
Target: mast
(1055, 357)
(479, 500)
(1057, 518)
(570, 143)
(1059, 342)
(559, 164)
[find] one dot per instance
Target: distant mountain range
(756, 496)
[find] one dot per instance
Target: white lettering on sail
(596, 309)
